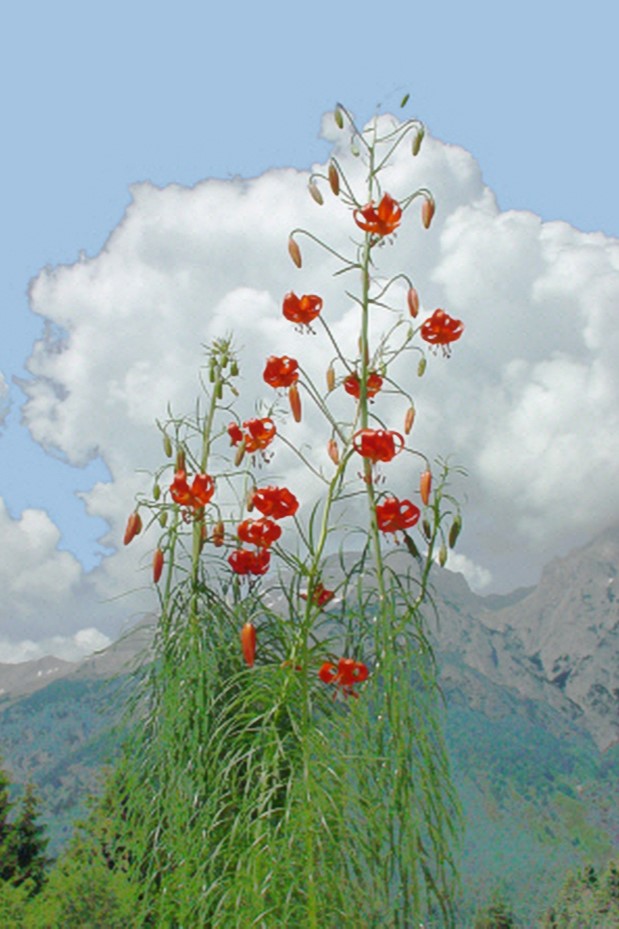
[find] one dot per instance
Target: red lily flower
(260, 532)
(248, 643)
(196, 496)
(281, 372)
(381, 220)
(275, 502)
(442, 329)
(348, 673)
(378, 444)
(243, 561)
(352, 384)
(394, 514)
(302, 310)
(258, 433)
(320, 596)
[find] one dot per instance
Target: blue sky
(97, 98)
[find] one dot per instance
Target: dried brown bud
(315, 193)
(412, 298)
(295, 252)
(330, 378)
(409, 419)
(427, 212)
(427, 531)
(334, 179)
(333, 451)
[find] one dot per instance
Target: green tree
(29, 842)
(496, 915)
(7, 850)
(586, 900)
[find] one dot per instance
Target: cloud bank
(528, 403)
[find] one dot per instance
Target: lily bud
(338, 117)
(295, 252)
(234, 368)
(412, 298)
(454, 532)
(157, 565)
(249, 503)
(218, 534)
(333, 451)
(167, 445)
(421, 367)
(240, 454)
(427, 212)
(248, 643)
(133, 528)
(295, 402)
(427, 531)
(330, 378)
(414, 551)
(417, 141)
(425, 486)
(409, 419)
(180, 460)
(334, 179)
(442, 556)
(156, 492)
(163, 519)
(315, 193)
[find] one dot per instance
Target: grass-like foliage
(289, 768)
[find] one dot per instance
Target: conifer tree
(7, 852)
(30, 842)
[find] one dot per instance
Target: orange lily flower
(381, 220)
(196, 496)
(442, 329)
(260, 532)
(281, 372)
(378, 444)
(258, 433)
(302, 310)
(276, 502)
(393, 514)
(347, 673)
(243, 561)
(352, 384)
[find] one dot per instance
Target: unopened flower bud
(354, 149)
(295, 402)
(442, 556)
(249, 504)
(219, 390)
(212, 373)
(157, 565)
(234, 368)
(427, 531)
(334, 179)
(167, 445)
(425, 486)
(330, 378)
(338, 116)
(218, 534)
(412, 298)
(163, 519)
(454, 532)
(409, 419)
(240, 454)
(333, 451)
(295, 252)
(315, 193)
(421, 367)
(133, 528)
(203, 536)
(180, 460)
(417, 141)
(404, 100)
(414, 551)
(156, 492)
(427, 212)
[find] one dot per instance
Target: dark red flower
(243, 561)
(352, 384)
(281, 372)
(393, 514)
(276, 502)
(347, 673)
(196, 496)
(320, 596)
(302, 310)
(257, 435)
(261, 532)
(378, 444)
(381, 220)
(442, 329)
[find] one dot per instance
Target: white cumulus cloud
(528, 402)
